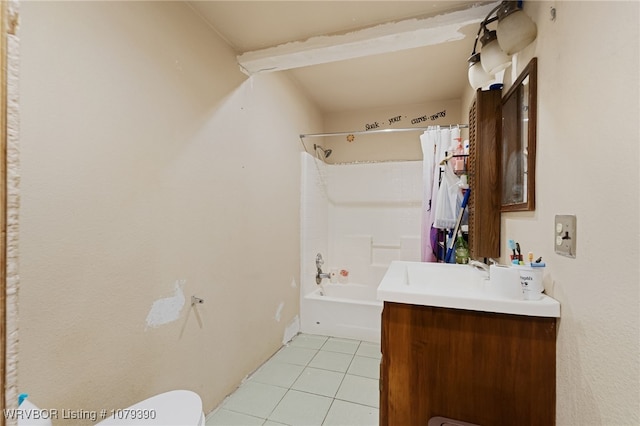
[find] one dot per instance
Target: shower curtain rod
(360, 132)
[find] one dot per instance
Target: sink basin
(454, 286)
(438, 277)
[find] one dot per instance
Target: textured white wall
(148, 160)
(120, 118)
(587, 165)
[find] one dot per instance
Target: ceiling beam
(385, 38)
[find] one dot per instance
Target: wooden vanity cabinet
(482, 368)
(485, 141)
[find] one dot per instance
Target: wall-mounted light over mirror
(514, 32)
(518, 157)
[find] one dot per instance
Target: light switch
(565, 235)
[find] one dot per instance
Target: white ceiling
(403, 76)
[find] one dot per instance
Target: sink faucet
(481, 265)
(320, 275)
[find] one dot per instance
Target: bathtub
(349, 311)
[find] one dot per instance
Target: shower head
(325, 152)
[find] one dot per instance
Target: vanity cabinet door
(479, 367)
(485, 117)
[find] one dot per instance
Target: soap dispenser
(462, 250)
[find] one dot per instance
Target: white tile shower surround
(359, 216)
(314, 380)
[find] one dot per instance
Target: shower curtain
(435, 143)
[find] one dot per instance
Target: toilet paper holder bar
(196, 300)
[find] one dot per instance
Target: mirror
(518, 158)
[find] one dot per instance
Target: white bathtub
(349, 310)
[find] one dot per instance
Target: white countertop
(455, 286)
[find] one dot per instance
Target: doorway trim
(3, 204)
(9, 203)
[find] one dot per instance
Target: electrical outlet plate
(565, 235)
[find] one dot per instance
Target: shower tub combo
(347, 310)
(359, 217)
(343, 310)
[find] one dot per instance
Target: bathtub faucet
(320, 275)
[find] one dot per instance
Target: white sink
(437, 277)
(454, 286)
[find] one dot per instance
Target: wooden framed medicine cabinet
(484, 173)
(518, 156)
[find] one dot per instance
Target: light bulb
(515, 29)
(493, 58)
(478, 77)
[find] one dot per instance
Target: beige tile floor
(314, 380)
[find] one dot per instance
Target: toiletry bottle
(459, 162)
(462, 250)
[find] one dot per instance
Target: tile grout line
(289, 389)
(309, 393)
(358, 403)
(276, 406)
(303, 368)
(356, 375)
(324, 419)
(239, 412)
(345, 373)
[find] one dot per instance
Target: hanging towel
(428, 164)
(441, 140)
(449, 199)
(440, 147)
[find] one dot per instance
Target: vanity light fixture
(494, 59)
(514, 32)
(478, 77)
(515, 29)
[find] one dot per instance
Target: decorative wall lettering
(398, 118)
(431, 117)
